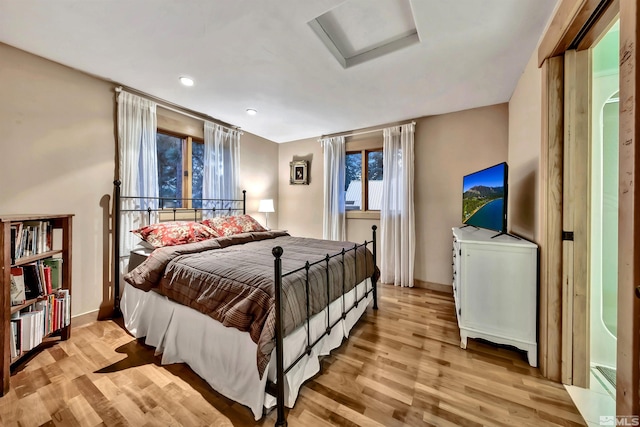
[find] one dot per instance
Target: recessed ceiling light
(252, 112)
(187, 81)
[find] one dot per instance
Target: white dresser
(495, 289)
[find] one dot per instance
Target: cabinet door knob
(637, 291)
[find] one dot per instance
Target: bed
(251, 313)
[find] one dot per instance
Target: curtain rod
(176, 108)
(413, 122)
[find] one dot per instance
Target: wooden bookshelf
(63, 224)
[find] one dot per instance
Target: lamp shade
(266, 205)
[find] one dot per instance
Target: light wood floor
(401, 366)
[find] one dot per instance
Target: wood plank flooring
(401, 366)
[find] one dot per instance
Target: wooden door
(576, 218)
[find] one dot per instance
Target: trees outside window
(180, 164)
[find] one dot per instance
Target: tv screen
(484, 198)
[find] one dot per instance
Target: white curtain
(138, 164)
(334, 169)
(221, 173)
(397, 221)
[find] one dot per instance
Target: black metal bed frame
(275, 389)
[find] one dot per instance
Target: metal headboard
(165, 205)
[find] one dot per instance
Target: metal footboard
(277, 389)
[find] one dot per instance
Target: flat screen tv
(484, 198)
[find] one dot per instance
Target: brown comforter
(231, 280)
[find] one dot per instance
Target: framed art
(299, 172)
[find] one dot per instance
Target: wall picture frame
(299, 172)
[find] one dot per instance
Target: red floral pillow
(174, 233)
(230, 225)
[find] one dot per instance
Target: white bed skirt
(226, 357)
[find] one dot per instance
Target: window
(180, 162)
(363, 195)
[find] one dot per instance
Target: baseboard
(433, 286)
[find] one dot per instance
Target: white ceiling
(263, 54)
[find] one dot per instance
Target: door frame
(577, 24)
(628, 360)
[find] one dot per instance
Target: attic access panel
(361, 30)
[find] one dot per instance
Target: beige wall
(525, 136)
(300, 206)
(58, 151)
(258, 175)
(58, 157)
(447, 147)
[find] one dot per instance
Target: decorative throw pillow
(230, 225)
(174, 233)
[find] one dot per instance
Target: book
(29, 240)
(17, 253)
(16, 335)
(56, 272)
(54, 318)
(64, 307)
(33, 287)
(67, 306)
(14, 344)
(51, 304)
(45, 276)
(14, 233)
(43, 306)
(48, 279)
(25, 335)
(18, 295)
(49, 237)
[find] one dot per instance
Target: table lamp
(266, 206)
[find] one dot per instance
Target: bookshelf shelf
(54, 242)
(29, 259)
(27, 303)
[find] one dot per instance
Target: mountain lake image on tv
(484, 198)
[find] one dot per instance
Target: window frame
(187, 164)
(364, 147)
